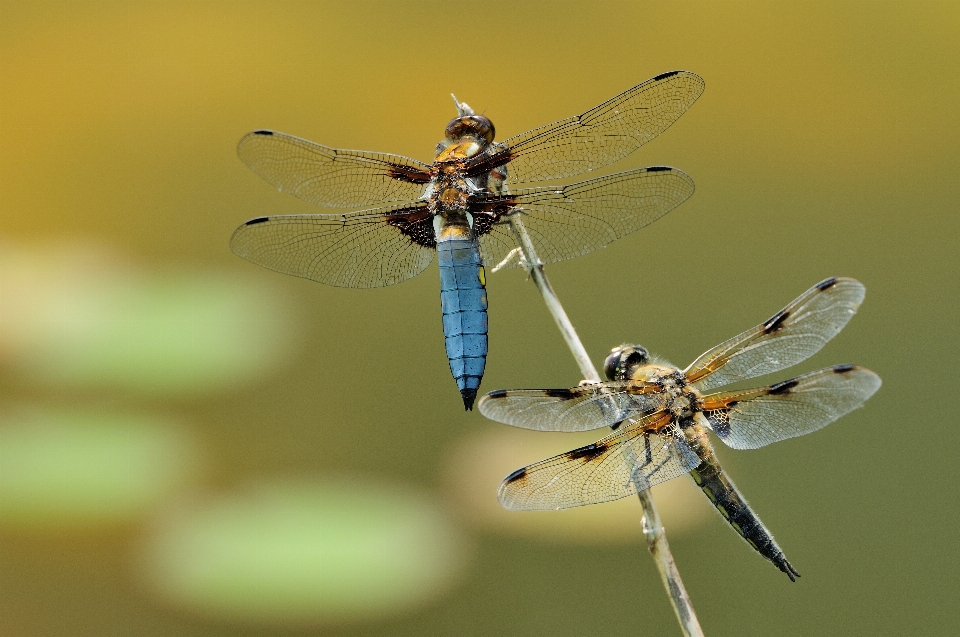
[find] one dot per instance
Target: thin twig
(652, 528)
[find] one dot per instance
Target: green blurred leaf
(75, 316)
(305, 553)
(69, 470)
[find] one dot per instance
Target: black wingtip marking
(658, 169)
(588, 452)
(263, 132)
(826, 284)
(469, 395)
(775, 322)
(516, 475)
(499, 393)
(664, 76)
(254, 222)
(843, 369)
(784, 387)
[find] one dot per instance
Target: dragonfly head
(624, 360)
(474, 126)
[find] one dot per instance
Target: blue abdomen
(463, 299)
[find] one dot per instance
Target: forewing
(757, 417)
(570, 221)
(580, 408)
(623, 463)
(357, 250)
(790, 336)
(332, 177)
(600, 136)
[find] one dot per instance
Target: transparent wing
(331, 177)
(570, 221)
(619, 465)
(357, 250)
(600, 136)
(790, 336)
(577, 409)
(757, 417)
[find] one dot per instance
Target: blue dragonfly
(461, 206)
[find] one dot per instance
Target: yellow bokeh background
(143, 364)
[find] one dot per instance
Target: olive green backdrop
(193, 446)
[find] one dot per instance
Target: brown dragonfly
(661, 415)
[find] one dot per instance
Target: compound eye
(612, 365)
(623, 360)
(482, 127)
(473, 125)
(638, 356)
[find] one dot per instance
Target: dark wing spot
(842, 369)
(484, 163)
(658, 169)
(482, 223)
(826, 284)
(499, 393)
(784, 387)
(721, 428)
(719, 421)
(253, 222)
(565, 394)
(495, 205)
(775, 322)
(487, 210)
(587, 453)
(664, 76)
(516, 475)
(263, 132)
(415, 223)
(408, 174)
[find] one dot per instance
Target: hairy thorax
(679, 397)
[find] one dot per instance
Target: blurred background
(191, 445)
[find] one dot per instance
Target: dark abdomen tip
(469, 395)
(787, 568)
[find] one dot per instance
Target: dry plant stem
(652, 528)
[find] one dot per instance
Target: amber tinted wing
(619, 465)
(793, 334)
(580, 408)
(357, 250)
(570, 221)
(600, 136)
(331, 177)
(756, 417)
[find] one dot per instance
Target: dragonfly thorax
(681, 400)
(449, 192)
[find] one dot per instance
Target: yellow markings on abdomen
(482, 276)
